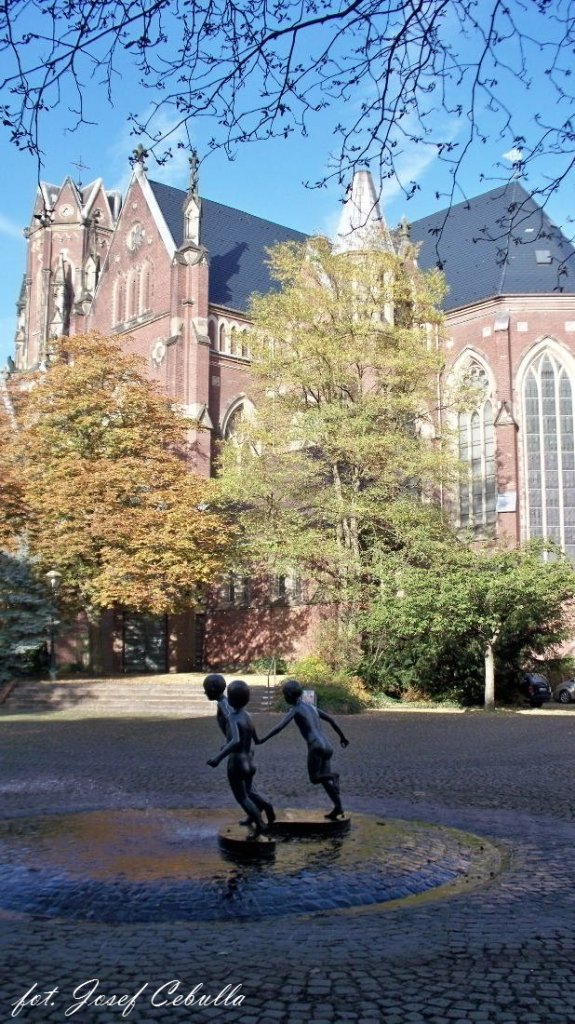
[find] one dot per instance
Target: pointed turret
(361, 225)
(193, 204)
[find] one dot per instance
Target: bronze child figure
(241, 735)
(307, 718)
(214, 689)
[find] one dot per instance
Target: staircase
(158, 695)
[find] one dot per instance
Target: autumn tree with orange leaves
(12, 502)
(106, 494)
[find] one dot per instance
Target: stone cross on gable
(81, 167)
(139, 156)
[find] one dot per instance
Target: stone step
(120, 696)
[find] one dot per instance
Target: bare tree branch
(441, 74)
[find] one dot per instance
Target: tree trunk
(489, 698)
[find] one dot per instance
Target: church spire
(361, 225)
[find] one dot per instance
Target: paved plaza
(500, 954)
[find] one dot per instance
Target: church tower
(68, 239)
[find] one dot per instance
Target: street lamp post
(53, 578)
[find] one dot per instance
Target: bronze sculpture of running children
(308, 720)
(241, 735)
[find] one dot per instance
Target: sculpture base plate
(236, 839)
(309, 823)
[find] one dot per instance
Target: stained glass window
(549, 452)
(477, 485)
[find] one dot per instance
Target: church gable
(97, 205)
(136, 283)
(45, 203)
(68, 205)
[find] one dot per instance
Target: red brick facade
(506, 334)
(95, 263)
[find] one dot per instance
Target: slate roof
(488, 247)
(236, 244)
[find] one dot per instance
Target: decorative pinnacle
(194, 172)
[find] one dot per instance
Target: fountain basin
(166, 865)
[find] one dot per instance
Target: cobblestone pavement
(502, 954)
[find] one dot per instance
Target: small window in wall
(245, 345)
(234, 341)
(235, 591)
(477, 486)
(286, 590)
(212, 333)
(549, 451)
(222, 338)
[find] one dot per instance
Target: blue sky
(264, 178)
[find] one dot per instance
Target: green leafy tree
(24, 616)
(107, 494)
(448, 623)
(344, 375)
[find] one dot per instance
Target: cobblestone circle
(152, 865)
(501, 954)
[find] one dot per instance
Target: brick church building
(171, 274)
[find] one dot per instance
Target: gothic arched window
(145, 288)
(212, 333)
(477, 485)
(132, 295)
(119, 301)
(549, 451)
(222, 338)
(233, 424)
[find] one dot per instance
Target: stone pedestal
(291, 824)
(236, 840)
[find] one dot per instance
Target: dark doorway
(145, 643)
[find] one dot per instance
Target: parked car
(536, 688)
(565, 692)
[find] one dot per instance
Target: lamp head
(54, 577)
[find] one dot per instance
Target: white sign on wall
(507, 502)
